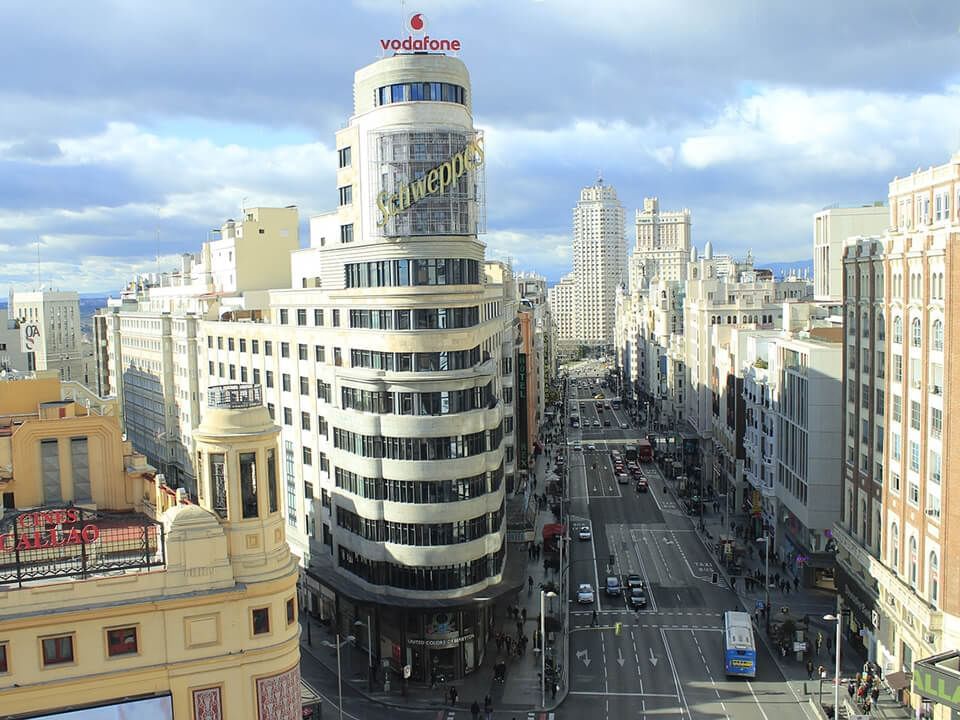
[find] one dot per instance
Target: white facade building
(831, 228)
(662, 246)
(599, 262)
(562, 298)
(51, 321)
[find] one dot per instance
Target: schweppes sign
(433, 182)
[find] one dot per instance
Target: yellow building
(115, 591)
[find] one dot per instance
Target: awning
(898, 680)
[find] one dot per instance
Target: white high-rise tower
(599, 261)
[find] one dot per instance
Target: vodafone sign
(416, 26)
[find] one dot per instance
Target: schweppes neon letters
(434, 182)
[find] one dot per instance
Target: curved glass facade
(420, 92)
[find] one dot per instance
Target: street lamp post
(543, 645)
(836, 674)
(766, 578)
(369, 626)
(347, 639)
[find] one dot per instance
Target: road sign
(759, 605)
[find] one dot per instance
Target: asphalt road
(667, 660)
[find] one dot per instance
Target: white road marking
(676, 676)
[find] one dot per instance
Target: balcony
(234, 397)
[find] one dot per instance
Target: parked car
(578, 447)
(614, 588)
(624, 426)
(584, 532)
(596, 423)
(585, 594)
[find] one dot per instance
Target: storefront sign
(75, 542)
(433, 182)
(936, 679)
(444, 643)
(417, 24)
(857, 599)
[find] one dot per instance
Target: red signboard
(417, 24)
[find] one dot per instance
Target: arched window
(895, 548)
(933, 581)
(898, 329)
(938, 335)
(881, 327)
(915, 332)
(913, 562)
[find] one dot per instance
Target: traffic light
(617, 628)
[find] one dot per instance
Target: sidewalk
(813, 602)
(519, 693)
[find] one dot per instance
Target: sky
(130, 129)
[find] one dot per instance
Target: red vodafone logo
(417, 23)
(418, 40)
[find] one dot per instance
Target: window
(284, 316)
(301, 317)
(233, 371)
(936, 422)
(307, 456)
(304, 385)
(895, 482)
(895, 548)
(291, 612)
(268, 347)
(304, 421)
(933, 581)
(337, 357)
(272, 478)
(243, 374)
(346, 233)
(255, 347)
(897, 411)
(57, 650)
(210, 367)
(210, 341)
(122, 641)
(248, 484)
(218, 483)
(320, 352)
(256, 376)
(915, 456)
(898, 329)
(898, 368)
(219, 343)
(243, 344)
(915, 332)
(261, 621)
(938, 335)
(318, 317)
(336, 318)
(895, 446)
(285, 349)
(914, 414)
(344, 157)
(4, 664)
(346, 194)
(287, 416)
(913, 561)
(269, 378)
(285, 381)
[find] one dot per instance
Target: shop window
(261, 621)
(57, 650)
(122, 641)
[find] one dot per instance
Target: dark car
(642, 485)
(637, 598)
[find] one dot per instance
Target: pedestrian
(875, 693)
(796, 584)
(519, 629)
(851, 689)
(554, 688)
(809, 669)
(523, 614)
(453, 696)
(475, 710)
(509, 642)
(488, 707)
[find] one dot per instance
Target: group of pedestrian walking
(864, 688)
(487, 708)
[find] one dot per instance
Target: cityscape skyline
(108, 174)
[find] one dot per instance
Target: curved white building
(402, 332)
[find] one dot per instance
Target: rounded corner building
(412, 553)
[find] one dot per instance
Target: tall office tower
(662, 249)
(831, 228)
(384, 363)
(562, 298)
(50, 327)
(599, 262)
(899, 504)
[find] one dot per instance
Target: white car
(591, 447)
(585, 594)
(578, 447)
(624, 426)
(584, 532)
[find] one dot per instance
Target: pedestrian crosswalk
(531, 715)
